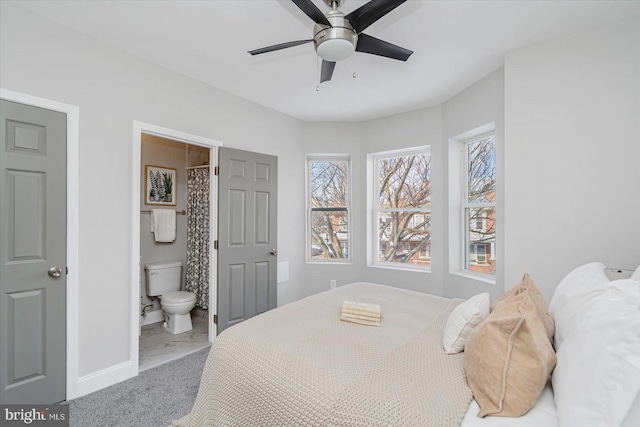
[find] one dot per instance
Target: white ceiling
(456, 43)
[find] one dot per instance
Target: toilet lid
(179, 296)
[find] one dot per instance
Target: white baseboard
(105, 378)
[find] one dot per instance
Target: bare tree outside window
(479, 207)
(329, 213)
(481, 172)
(403, 209)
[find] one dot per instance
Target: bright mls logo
(35, 415)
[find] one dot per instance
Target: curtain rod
(182, 212)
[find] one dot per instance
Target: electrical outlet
(332, 284)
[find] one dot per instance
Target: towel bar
(182, 212)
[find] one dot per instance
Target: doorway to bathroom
(175, 181)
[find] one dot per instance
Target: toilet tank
(163, 277)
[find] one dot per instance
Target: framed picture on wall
(160, 186)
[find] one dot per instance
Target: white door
(247, 233)
(32, 254)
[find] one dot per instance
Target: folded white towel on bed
(361, 313)
(163, 224)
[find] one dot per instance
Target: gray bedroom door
(247, 217)
(32, 254)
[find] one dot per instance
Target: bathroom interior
(174, 258)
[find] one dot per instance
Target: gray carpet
(152, 399)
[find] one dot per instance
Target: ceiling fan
(336, 35)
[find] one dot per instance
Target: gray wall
(572, 108)
(479, 105)
(338, 138)
(112, 89)
(421, 127)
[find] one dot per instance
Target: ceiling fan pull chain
(319, 72)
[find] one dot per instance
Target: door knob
(273, 252)
(54, 272)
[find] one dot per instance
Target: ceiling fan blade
(327, 71)
(370, 12)
(312, 11)
(374, 46)
(278, 46)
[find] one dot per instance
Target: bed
(300, 365)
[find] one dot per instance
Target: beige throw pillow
(536, 297)
(509, 355)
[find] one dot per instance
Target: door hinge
(215, 244)
(216, 170)
(215, 319)
(66, 271)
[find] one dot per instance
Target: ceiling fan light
(335, 49)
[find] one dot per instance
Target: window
(328, 208)
(479, 205)
(400, 203)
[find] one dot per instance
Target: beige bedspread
(299, 365)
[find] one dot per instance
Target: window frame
(466, 205)
(327, 157)
(373, 185)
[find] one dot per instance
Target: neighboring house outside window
(479, 205)
(328, 236)
(400, 201)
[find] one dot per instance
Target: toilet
(163, 279)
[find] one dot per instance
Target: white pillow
(581, 280)
(597, 376)
(569, 296)
(462, 320)
(633, 416)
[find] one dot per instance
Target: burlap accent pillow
(509, 356)
(538, 300)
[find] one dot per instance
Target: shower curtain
(197, 273)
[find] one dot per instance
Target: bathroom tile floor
(157, 346)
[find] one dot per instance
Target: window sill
(475, 276)
(392, 267)
(346, 262)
